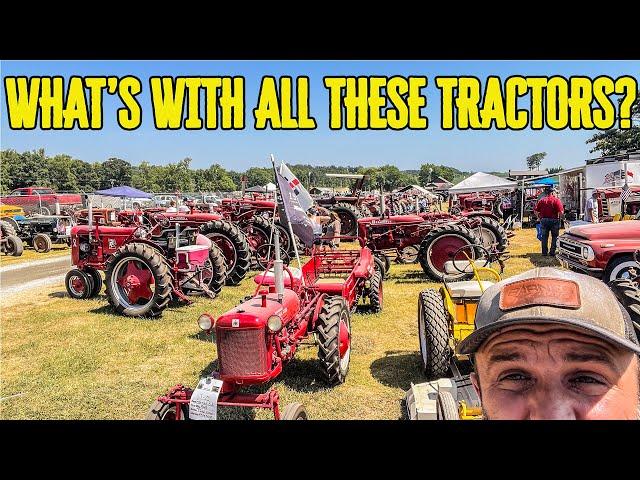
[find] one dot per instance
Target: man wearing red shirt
(549, 208)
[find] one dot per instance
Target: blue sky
(239, 150)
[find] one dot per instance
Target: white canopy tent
(482, 182)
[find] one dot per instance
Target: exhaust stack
(90, 215)
(278, 270)
(382, 205)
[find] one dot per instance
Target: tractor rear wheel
(440, 245)
(492, 233)
(96, 279)
(233, 243)
(349, 216)
(79, 284)
(294, 411)
(333, 329)
(376, 293)
(166, 411)
(131, 274)
(8, 228)
(433, 331)
(42, 243)
(447, 408)
(13, 246)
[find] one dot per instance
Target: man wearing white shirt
(592, 208)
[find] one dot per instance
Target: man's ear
(475, 381)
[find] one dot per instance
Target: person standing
(592, 208)
(549, 209)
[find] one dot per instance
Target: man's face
(551, 371)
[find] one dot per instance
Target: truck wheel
(96, 278)
(349, 216)
(375, 293)
(447, 408)
(13, 246)
(333, 329)
(294, 411)
(233, 243)
(139, 282)
(8, 228)
(166, 411)
(492, 233)
(619, 268)
(42, 243)
(433, 330)
(79, 284)
(439, 246)
(382, 263)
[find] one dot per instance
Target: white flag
(304, 199)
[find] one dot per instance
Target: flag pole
(293, 238)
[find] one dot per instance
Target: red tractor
(258, 337)
(348, 207)
(144, 264)
(427, 238)
(226, 235)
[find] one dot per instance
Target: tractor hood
(192, 217)
(251, 314)
(607, 230)
(392, 220)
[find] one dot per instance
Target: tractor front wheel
(166, 411)
(375, 293)
(333, 329)
(96, 279)
(79, 284)
(294, 411)
(433, 330)
(382, 263)
(139, 282)
(447, 408)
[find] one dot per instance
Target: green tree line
(65, 173)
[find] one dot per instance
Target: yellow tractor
(445, 317)
(7, 212)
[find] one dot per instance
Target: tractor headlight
(84, 247)
(274, 323)
(205, 321)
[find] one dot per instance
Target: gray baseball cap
(550, 295)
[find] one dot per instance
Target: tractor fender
(202, 240)
(316, 312)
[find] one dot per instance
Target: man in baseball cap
(554, 344)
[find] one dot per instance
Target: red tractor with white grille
(258, 337)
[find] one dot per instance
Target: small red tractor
(145, 264)
(226, 235)
(10, 243)
(258, 337)
(431, 238)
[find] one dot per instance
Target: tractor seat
(268, 278)
(463, 266)
(467, 289)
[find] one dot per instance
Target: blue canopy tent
(544, 182)
(124, 192)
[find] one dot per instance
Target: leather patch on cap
(553, 292)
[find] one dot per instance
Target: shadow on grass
(539, 261)
(61, 294)
(397, 369)
(204, 336)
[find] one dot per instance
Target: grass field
(67, 359)
(30, 254)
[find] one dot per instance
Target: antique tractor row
(256, 339)
(432, 238)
